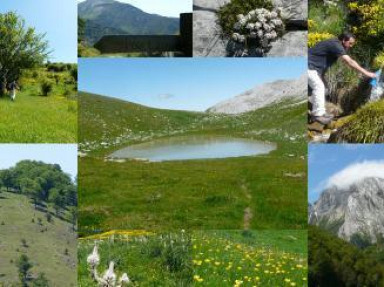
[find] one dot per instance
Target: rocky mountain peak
(354, 209)
(263, 95)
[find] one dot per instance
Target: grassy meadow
(200, 258)
(50, 246)
(250, 258)
(34, 118)
(262, 192)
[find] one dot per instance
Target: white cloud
(166, 96)
(356, 172)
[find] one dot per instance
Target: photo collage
(217, 143)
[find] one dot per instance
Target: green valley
(196, 194)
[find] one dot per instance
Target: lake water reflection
(194, 147)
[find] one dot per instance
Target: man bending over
(322, 56)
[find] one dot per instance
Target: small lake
(194, 147)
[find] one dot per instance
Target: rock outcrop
(264, 95)
(357, 209)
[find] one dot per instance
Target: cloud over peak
(356, 172)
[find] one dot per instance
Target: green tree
(74, 73)
(42, 182)
(73, 216)
(31, 188)
(57, 199)
(80, 30)
(7, 177)
(40, 281)
(20, 46)
(360, 240)
(23, 266)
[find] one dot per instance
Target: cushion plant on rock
(251, 25)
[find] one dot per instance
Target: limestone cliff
(357, 209)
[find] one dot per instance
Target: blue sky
(63, 154)
(56, 18)
(170, 8)
(183, 84)
(342, 163)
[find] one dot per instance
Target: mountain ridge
(106, 17)
(263, 95)
(355, 209)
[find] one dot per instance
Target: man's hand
(371, 75)
(353, 64)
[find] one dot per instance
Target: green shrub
(378, 61)
(73, 73)
(56, 67)
(57, 79)
(35, 74)
(70, 66)
(46, 88)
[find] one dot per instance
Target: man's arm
(353, 64)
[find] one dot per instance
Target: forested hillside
(41, 182)
(335, 262)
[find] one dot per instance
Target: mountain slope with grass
(48, 241)
(204, 194)
(112, 17)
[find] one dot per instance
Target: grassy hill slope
(208, 194)
(47, 242)
(33, 118)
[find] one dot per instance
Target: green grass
(206, 194)
(33, 118)
(253, 258)
(86, 51)
(46, 243)
(154, 260)
(365, 126)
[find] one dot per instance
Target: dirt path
(247, 211)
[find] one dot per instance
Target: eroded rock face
(358, 209)
(294, 9)
(292, 44)
(208, 40)
(263, 95)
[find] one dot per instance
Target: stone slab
(292, 44)
(295, 9)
